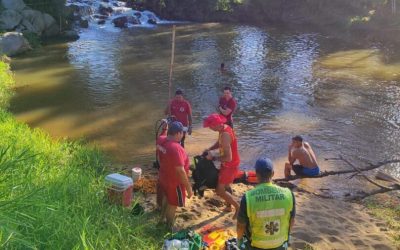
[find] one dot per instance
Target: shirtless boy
(304, 154)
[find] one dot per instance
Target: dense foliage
(340, 13)
(6, 83)
(55, 8)
(52, 193)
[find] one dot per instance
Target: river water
(110, 87)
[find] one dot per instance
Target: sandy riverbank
(320, 223)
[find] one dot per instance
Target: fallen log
(328, 173)
(356, 172)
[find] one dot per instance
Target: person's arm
(223, 111)
(308, 147)
(292, 214)
(240, 230)
(226, 147)
(190, 119)
(180, 172)
(226, 111)
(242, 219)
(291, 153)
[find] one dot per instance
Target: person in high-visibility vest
(266, 213)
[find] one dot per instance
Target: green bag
(195, 242)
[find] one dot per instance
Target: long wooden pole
(171, 67)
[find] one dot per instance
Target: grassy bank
(52, 193)
(387, 208)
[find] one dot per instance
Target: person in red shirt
(173, 181)
(227, 105)
(228, 156)
(182, 111)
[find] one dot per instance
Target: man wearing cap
(304, 154)
(182, 111)
(173, 181)
(266, 213)
(228, 156)
(227, 105)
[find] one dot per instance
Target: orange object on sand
(146, 185)
(216, 239)
(252, 177)
(247, 177)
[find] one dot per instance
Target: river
(110, 87)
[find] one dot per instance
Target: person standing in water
(227, 105)
(182, 111)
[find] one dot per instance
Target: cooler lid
(119, 180)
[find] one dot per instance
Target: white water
(90, 9)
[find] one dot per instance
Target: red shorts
(227, 175)
(175, 195)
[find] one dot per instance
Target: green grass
(6, 84)
(52, 193)
(387, 208)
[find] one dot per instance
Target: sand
(320, 223)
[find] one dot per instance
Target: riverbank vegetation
(320, 14)
(52, 193)
(55, 8)
(387, 207)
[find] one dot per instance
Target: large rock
(36, 19)
(13, 43)
(133, 20)
(120, 22)
(9, 19)
(26, 26)
(16, 5)
(48, 20)
(84, 23)
(105, 10)
(53, 30)
(70, 35)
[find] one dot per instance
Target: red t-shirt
(181, 110)
(234, 148)
(170, 155)
(230, 104)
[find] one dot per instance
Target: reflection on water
(111, 87)
(356, 64)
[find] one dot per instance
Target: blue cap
(264, 166)
(176, 127)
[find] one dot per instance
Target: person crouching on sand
(228, 156)
(304, 154)
(267, 212)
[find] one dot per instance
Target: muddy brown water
(110, 87)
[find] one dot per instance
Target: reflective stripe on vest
(268, 209)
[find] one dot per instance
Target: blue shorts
(300, 170)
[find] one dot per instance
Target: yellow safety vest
(268, 209)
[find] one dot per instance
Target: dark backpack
(205, 175)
